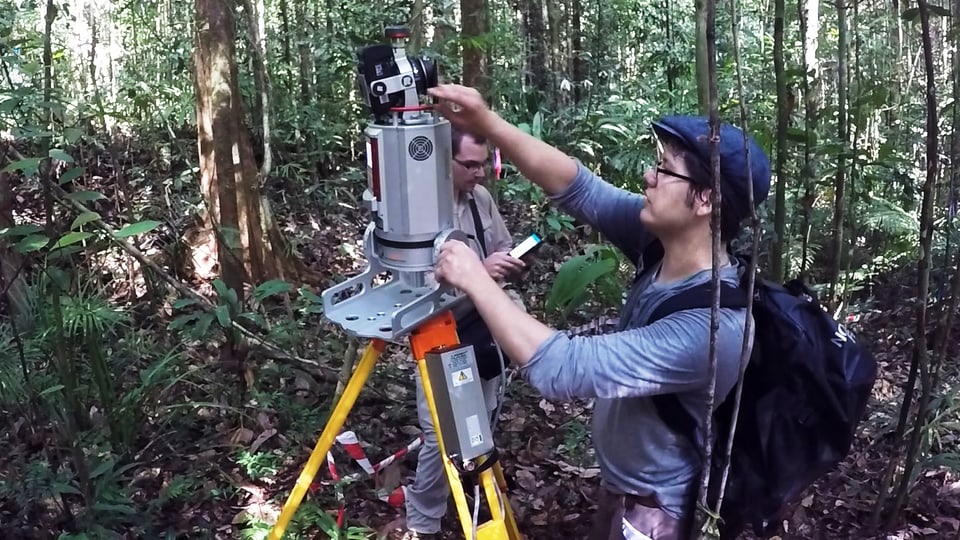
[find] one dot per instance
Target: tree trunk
(552, 42)
(601, 49)
(809, 35)
(17, 296)
(304, 66)
(92, 65)
(248, 247)
(710, 47)
(672, 70)
(285, 38)
(955, 133)
(840, 182)
(417, 27)
(255, 26)
(442, 29)
(702, 57)
(535, 66)
(920, 355)
(783, 118)
(224, 177)
(579, 67)
(474, 16)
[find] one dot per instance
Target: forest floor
(207, 466)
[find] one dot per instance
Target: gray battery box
(461, 409)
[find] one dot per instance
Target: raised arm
(541, 163)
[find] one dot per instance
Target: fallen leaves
(242, 436)
(262, 438)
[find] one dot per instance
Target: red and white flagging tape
(348, 440)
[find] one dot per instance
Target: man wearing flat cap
(649, 471)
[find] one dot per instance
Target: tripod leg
(495, 488)
(330, 432)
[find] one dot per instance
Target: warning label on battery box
(462, 376)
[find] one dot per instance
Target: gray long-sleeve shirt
(637, 452)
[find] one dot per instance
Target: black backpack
(805, 389)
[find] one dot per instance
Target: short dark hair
(456, 138)
(703, 181)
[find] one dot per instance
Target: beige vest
(495, 232)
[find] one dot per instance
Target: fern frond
(884, 215)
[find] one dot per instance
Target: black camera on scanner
(389, 79)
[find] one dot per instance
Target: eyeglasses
(474, 166)
(668, 172)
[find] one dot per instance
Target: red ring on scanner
(411, 108)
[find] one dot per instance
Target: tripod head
(409, 194)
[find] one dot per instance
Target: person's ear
(702, 204)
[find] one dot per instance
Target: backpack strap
(669, 408)
(477, 225)
(700, 296)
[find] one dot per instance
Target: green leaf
(948, 460)
(271, 288)
(796, 135)
(223, 316)
(227, 295)
(255, 318)
(310, 295)
(101, 469)
(64, 253)
(137, 228)
(57, 153)
(71, 238)
(9, 105)
(183, 302)
(115, 508)
(553, 223)
(575, 275)
(220, 287)
(83, 219)
(182, 321)
(795, 73)
(85, 196)
(203, 324)
(232, 300)
(21, 230)
(939, 10)
(586, 149)
(617, 128)
(29, 166)
(31, 243)
(64, 488)
(71, 135)
(538, 125)
(910, 14)
(71, 174)
(52, 389)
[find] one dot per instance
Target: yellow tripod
(435, 334)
